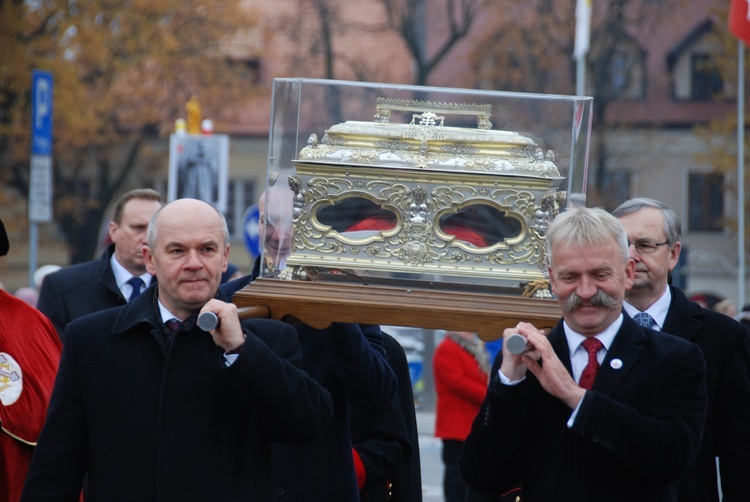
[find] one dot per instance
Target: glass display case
(418, 188)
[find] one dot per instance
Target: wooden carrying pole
(319, 304)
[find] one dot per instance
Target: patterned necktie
(172, 326)
(644, 320)
(136, 282)
(592, 346)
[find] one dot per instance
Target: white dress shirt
(122, 276)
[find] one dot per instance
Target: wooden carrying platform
(319, 304)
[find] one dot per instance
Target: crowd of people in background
(285, 411)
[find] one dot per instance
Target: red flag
(739, 19)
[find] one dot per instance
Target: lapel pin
(616, 364)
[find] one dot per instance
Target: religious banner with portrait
(199, 168)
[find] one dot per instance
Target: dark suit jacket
(80, 289)
(724, 343)
(348, 361)
(148, 421)
(387, 441)
(635, 433)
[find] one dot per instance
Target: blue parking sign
(41, 112)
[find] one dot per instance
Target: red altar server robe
(29, 354)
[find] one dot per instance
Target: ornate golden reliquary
(431, 199)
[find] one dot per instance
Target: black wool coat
(148, 421)
(724, 343)
(80, 289)
(634, 435)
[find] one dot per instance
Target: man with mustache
(654, 233)
(602, 408)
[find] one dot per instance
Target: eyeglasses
(647, 247)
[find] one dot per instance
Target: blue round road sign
(251, 230)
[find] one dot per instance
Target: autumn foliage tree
(377, 40)
(123, 72)
(408, 18)
(524, 50)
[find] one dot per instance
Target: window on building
(706, 81)
(693, 66)
(705, 202)
(627, 74)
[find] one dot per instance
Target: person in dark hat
(29, 354)
(4, 244)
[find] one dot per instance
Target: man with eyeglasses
(653, 231)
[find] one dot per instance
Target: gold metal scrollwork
(431, 197)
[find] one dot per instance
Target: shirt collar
(122, 276)
(575, 339)
(166, 315)
(658, 311)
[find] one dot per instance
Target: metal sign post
(40, 178)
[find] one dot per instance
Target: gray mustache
(600, 299)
